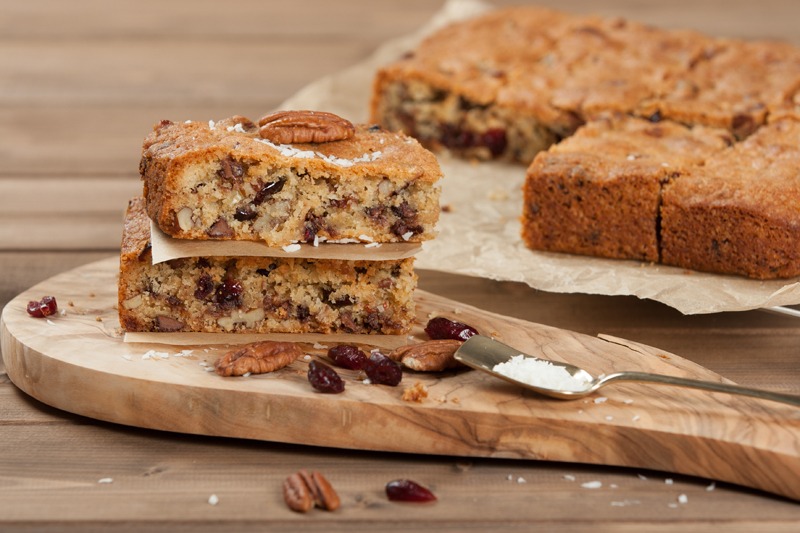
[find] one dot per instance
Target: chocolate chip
(220, 230)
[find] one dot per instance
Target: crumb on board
(417, 393)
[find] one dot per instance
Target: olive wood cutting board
(78, 362)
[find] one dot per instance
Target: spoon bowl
(484, 353)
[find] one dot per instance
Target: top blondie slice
(228, 180)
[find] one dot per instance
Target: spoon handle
(697, 384)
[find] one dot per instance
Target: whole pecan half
(428, 356)
(257, 358)
(303, 490)
(290, 127)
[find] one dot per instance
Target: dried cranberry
(452, 136)
(204, 286)
(405, 211)
(324, 378)
(313, 224)
(229, 294)
(268, 190)
(246, 212)
(444, 328)
(348, 356)
(303, 313)
(495, 140)
(45, 307)
(383, 371)
(231, 170)
(405, 490)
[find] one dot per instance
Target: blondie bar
(259, 294)
(227, 180)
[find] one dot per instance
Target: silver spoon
(483, 353)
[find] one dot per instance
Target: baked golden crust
(537, 75)
(738, 213)
(222, 180)
(599, 191)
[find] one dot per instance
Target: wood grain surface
(77, 361)
(83, 81)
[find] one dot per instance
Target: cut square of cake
(598, 192)
(735, 86)
(259, 294)
(302, 176)
(739, 214)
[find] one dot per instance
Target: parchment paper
(481, 235)
(165, 248)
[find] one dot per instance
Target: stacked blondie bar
(297, 182)
(643, 143)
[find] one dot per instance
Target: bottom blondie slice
(259, 294)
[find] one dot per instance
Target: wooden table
(82, 82)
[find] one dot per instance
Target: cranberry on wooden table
(348, 356)
(405, 490)
(383, 371)
(47, 306)
(324, 378)
(444, 328)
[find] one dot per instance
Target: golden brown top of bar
(761, 173)
(372, 151)
(616, 145)
(563, 69)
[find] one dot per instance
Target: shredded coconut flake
(290, 248)
(601, 399)
(290, 151)
(569, 477)
(407, 235)
(319, 346)
(373, 245)
(521, 480)
(683, 498)
(213, 499)
(711, 487)
(592, 484)
(668, 481)
(539, 373)
(211, 124)
(238, 128)
(625, 503)
(365, 238)
(105, 480)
